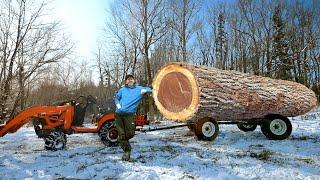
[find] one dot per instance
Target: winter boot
(126, 156)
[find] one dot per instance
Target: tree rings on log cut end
(176, 92)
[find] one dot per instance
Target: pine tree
(221, 49)
(280, 55)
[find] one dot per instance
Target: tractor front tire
(276, 127)
(206, 129)
(56, 140)
(109, 134)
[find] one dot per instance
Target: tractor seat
(79, 113)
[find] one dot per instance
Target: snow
(168, 154)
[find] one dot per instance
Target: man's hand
(118, 106)
(143, 91)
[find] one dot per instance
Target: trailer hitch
(161, 128)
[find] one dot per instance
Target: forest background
(39, 64)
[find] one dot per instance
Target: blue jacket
(129, 98)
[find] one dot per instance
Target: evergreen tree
(280, 55)
(221, 49)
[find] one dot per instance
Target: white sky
(84, 19)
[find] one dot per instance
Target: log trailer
(205, 96)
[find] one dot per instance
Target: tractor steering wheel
(91, 100)
(77, 100)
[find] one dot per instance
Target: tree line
(277, 39)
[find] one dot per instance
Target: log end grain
(176, 92)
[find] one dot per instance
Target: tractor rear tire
(109, 134)
(56, 140)
(276, 127)
(246, 127)
(206, 129)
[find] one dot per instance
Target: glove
(118, 106)
(143, 91)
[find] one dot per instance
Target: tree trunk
(187, 92)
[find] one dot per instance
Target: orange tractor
(52, 123)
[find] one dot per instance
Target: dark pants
(126, 129)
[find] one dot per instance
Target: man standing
(127, 101)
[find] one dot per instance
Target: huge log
(185, 92)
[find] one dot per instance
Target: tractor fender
(106, 118)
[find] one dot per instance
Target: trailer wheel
(109, 134)
(56, 140)
(206, 129)
(246, 127)
(276, 127)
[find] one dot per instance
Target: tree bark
(185, 92)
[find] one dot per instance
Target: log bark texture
(185, 92)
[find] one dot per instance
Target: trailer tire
(276, 127)
(246, 127)
(206, 129)
(109, 134)
(56, 140)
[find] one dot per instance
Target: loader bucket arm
(27, 115)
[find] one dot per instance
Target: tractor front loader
(53, 116)
(53, 120)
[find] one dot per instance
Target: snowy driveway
(174, 154)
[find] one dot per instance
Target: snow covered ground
(168, 154)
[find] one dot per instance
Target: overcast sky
(84, 19)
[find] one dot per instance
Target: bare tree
(149, 15)
(183, 22)
(126, 36)
(27, 44)
(101, 85)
